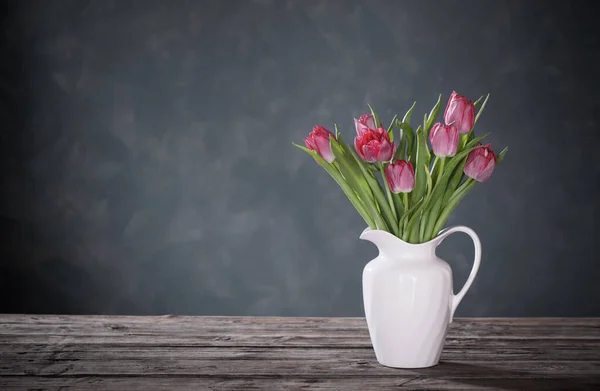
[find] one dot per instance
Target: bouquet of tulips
(416, 191)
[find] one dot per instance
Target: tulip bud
(444, 140)
(374, 145)
(319, 140)
(480, 163)
(400, 176)
(364, 123)
(460, 112)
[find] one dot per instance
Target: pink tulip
(444, 139)
(319, 140)
(400, 176)
(481, 163)
(364, 123)
(374, 145)
(461, 111)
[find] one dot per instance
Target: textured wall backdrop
(147, 165)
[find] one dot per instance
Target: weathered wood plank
(513, 350)
(115, 353)
(201, 383)
(261, 320)
(326, 327)
(275, 341)
(338, 365)
(469, 326)
(420, 383)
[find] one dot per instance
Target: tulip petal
(358, 147)
(310, 143)
(361, 128)
(319, 140)
(368, 120)
(468, 118)
(487, 172)
(461, 112)
(324, 145)
(386, 152)
(374, 145)
(400, 176)
(480, 163)
(408, 179)
(371, 150)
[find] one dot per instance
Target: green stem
(465, 185)
(389, 193)
(454, 181)
(400, 211)
(441, 169)
(364, 193)
(433, 166)
(422, 226)
(355, 176)
(430, 217)
(356, 191)
(454, 200)
(375, 187)
(405, 200)
(354, 200)
(414, 227)
(404, 220)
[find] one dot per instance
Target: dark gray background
(147, 165)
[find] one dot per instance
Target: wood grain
(237, 353)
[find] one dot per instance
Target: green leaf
(417, 221)
(440, 186)
(401, 150)
(348, 191)
(390, 128)
(481, 109)
(456, 198)
(455, 180)
(478, 102)
(459, 194)
(399, 206)
(406, 142)
(303, 148)
(429, 120)
(358, 182)
(342, 144)
(429, 182)
(389, 195)
(375, 116)
(377, 191)
(416, 227)
(435, 167)
(427, 197)
(311, 152)
(432, 215)
(350, 171)
(500, 156)
(337, 132)
(352, 196)
(413, 225)
(473, 142)
(408, 115)
(410, 216)
(422, 160)
(467, 137)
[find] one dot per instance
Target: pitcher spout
(393, 247)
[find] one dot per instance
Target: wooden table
(242, 353)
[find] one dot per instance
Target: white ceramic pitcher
(408, 297)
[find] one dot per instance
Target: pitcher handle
(456, 299)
